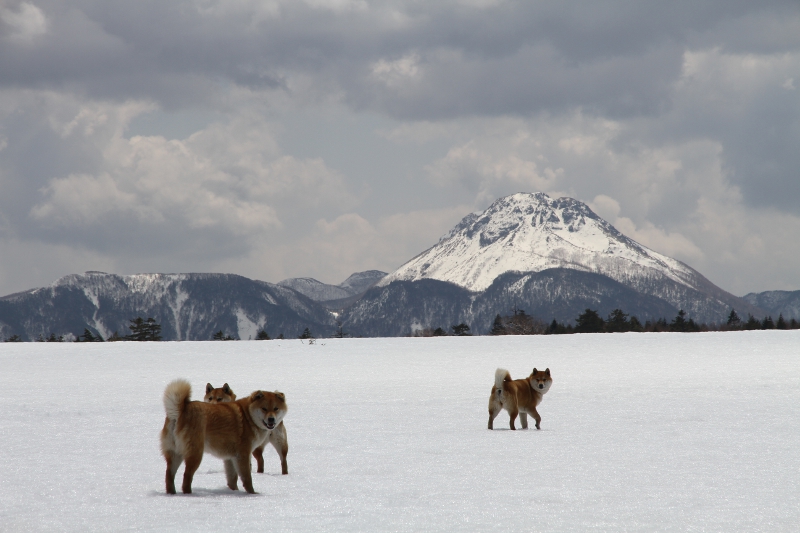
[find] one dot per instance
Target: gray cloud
(206, 134)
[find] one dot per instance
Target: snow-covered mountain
(532, 233)
(188, 307)
(776, 303)
(355, 285)
(551, 257)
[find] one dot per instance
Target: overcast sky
(277, 139)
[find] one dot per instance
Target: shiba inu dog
(519, 396)
(228, 430)
(225, 394)
(222, 394)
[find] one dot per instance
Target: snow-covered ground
(640, 432)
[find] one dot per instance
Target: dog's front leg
(538, 418)
(243, 465)
(258, 453)
(280, 441)
(231, 475)
(523, 418)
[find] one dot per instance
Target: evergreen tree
(262, 336)
(521, 324)
(439, 332)
(14, 338)
(752, 322)
(306, 334)
(617, 321)
(767, 323)
(556, 328)
(497, 326)
(589, 322)
(221, 336)
(679, 323)
(144, 330)
(461, 330)
(88, 336)
(781, 324)
(733, 318)
(635, 325)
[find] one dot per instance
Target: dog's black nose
(271, 420)
(541, 386)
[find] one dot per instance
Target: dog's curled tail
(501, 375)
(176, 395)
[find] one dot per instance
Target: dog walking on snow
(519, 396)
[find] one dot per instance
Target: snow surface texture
(531, 232)
(640, 432)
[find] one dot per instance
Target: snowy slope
(776, 303)
(533, 232)
(641, 432)
(188, 307)
(314, 289)
(354, 285)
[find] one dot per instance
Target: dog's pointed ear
(534, 370)
(280, 395)
(209, 387)
(257, 395)
(547, 371)
(226, 389)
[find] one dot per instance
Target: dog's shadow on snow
(198, 492)
(201, 492)
(220, 492)
(520, 430)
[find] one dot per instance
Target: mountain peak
(531, 232)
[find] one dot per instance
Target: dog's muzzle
(270, 423)
(541, 386)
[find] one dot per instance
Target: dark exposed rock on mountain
(527, 234)
(403, 307)
(188, 307)
(553, 258)
(335, 296)
(776, 303)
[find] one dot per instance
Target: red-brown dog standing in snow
(277, 438)
(228, 430)
(519, 396)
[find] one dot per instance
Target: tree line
(618, 321)
(517, 323)
(148, 329)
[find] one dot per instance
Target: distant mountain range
(554, 258)
(188, 307)
(776, 303)
(335, 296)
(551, 257)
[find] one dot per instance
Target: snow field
(640, 432)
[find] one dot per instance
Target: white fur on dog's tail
(176, 395)
(501, 375)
